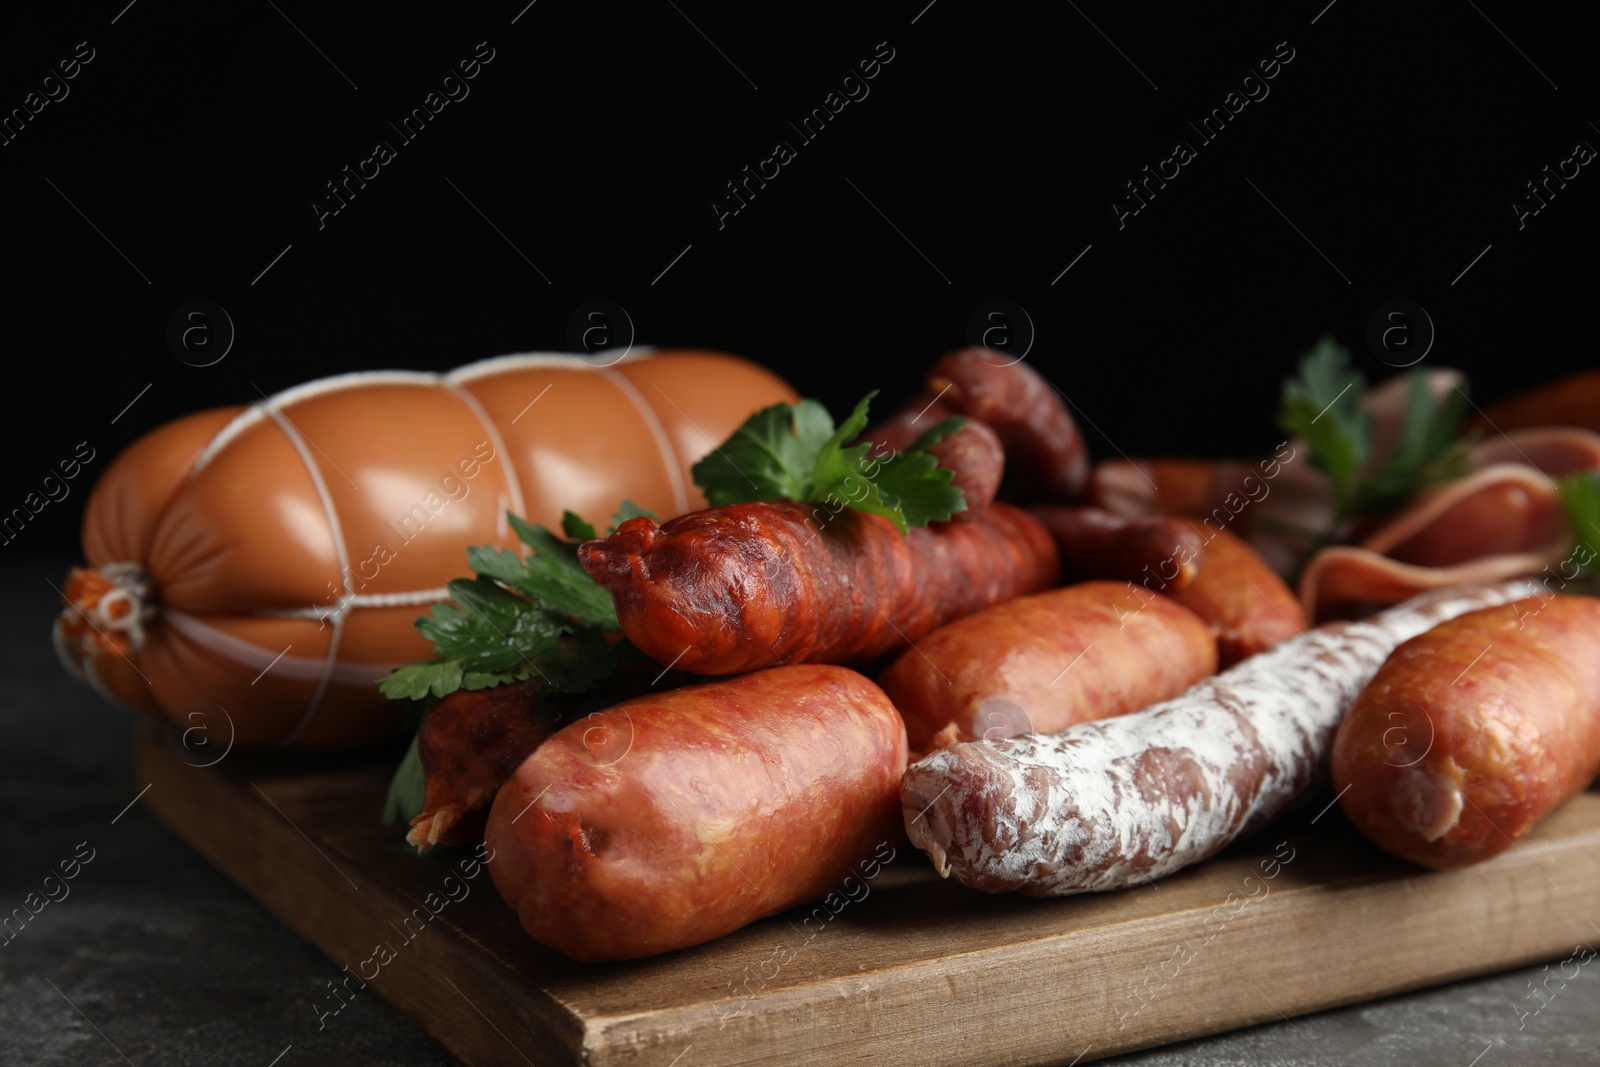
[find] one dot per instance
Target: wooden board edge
(1020, 1004)
(243, 837)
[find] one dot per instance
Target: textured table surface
(152, 957)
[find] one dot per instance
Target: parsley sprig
(795, 452)
(518, 618)
(1322, 405)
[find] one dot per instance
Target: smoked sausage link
(737, 588)
(1045, 453)
(1095, 543)
(677, 817)
(1473, 732)
(1039, 664)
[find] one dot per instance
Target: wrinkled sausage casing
(675, 818)
(471, 743)
(1039, 664)
(746, 586)
(1473, 732)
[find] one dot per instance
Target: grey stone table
(152, 957)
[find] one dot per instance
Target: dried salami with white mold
(1116, 803)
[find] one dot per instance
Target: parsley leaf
(542, 616)
(1430, 450)
(1580, 493)
(575, 527)
(938, 432)
(1320, 406)
(794, 452)
(841, 472)
(553, 577)
(921, 489)
(770, 457)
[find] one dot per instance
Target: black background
(197, 138)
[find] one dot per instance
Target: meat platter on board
(783, 769)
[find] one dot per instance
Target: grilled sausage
(678, 817)
(1045, 454)
(977, 461)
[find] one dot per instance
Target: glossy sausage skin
(1038, 664)
(679, 817)
(1248, 606)
(747, 586)
(1045, 454)
(1475, 731)
(1160, 553)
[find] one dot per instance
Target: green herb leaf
(1320, 406)
(770, 457)
(922, 490)
(542, 617)
(1430, 450)
(576, 528)
(846, 476)
(1580, 493)
(406, 789)
(417, 681)
(554, 578)
(938, 432)
(795, 452)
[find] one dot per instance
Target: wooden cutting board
(916, 970)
